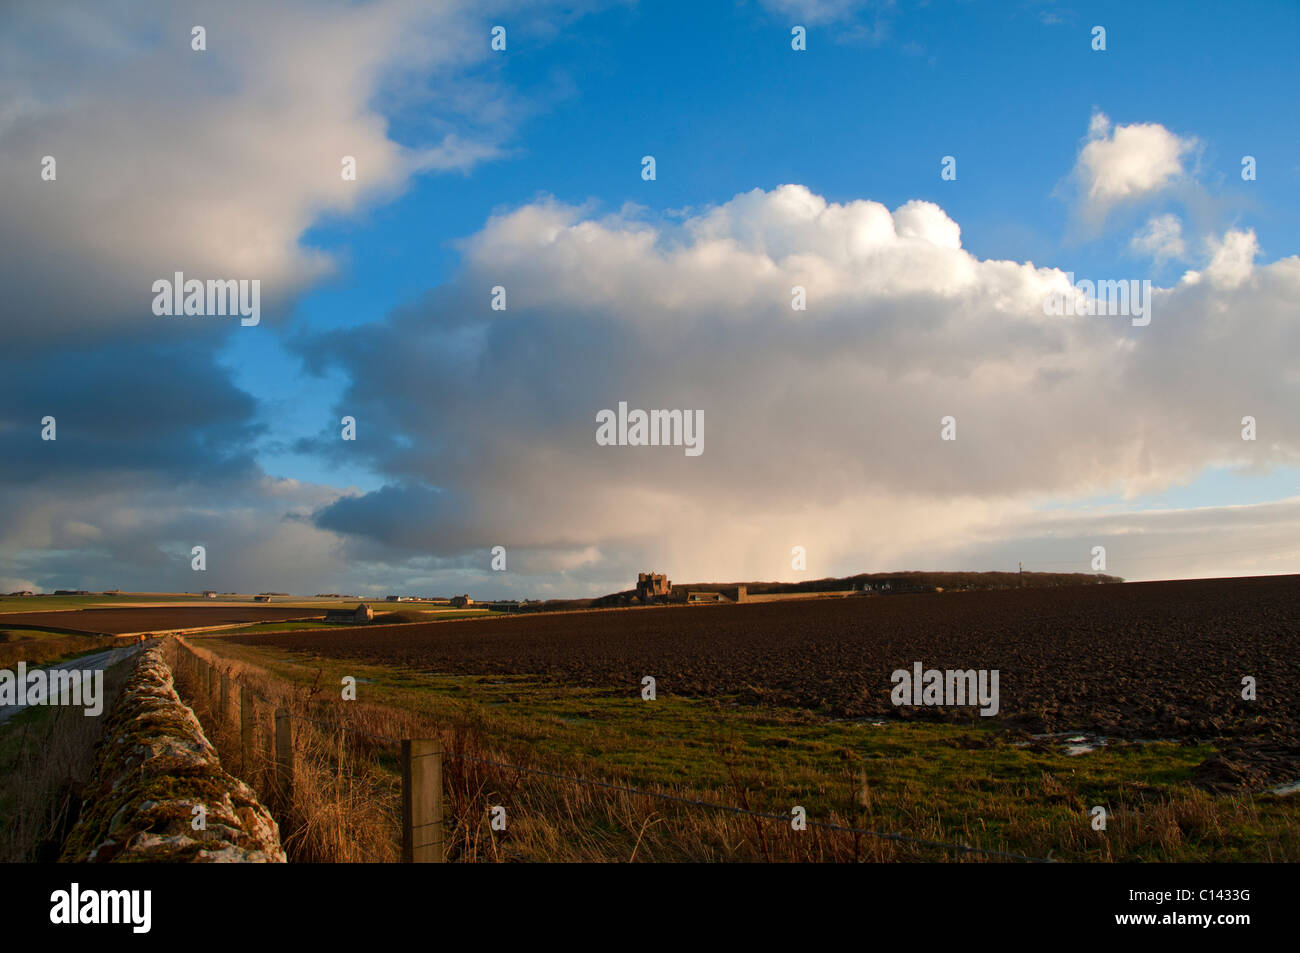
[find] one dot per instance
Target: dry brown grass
(44, 762)
(50, 648)
(345, 796)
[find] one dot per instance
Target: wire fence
(299, 761)
(329, 783)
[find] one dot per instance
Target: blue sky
(378, 291)
(715, 93)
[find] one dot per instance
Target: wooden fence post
(245, 731)
(421, 801)
(283, 756)
(224, 701)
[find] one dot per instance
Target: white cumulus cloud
(822, 427)
(1126, 163)
(1161, 239)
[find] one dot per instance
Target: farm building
(358, 616)
(209, 593)
(460, 602)
(653, 585)
(726, 594)
(694, 596)
(261, 598)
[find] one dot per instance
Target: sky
(929, 174)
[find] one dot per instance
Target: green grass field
(11, 634)
(280, 627)
(974, 782)
(99, 601)
(408, 616)
(51, 603)
(43, 647)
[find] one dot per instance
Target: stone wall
(153, 766)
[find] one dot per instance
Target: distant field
(149, 612)
(1140, 660)
(116, 621)
(403, 617)
(429, 615)
(283, 626)
(794, 596)
(786, 703)
(12, 634)
(127, 600)
(29, 604)
(138, 600)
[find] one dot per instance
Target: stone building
(358, 616)
(705, 596)
(725, 594)
(653, 585)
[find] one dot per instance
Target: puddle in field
(1291, 788)
(1082, 744)
(1075, 743)
(1072, 742)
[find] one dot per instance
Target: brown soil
(1139, 660)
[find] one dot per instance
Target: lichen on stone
(154, 765)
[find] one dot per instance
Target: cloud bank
(823, 426)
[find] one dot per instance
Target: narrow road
(95, 662)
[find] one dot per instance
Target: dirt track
(1141, 660)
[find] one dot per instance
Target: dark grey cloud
(213, 164)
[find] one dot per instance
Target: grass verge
(46, 755)
(972, 785)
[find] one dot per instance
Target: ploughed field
(1137, 660)
(161, 619)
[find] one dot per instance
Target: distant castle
(652, 585)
